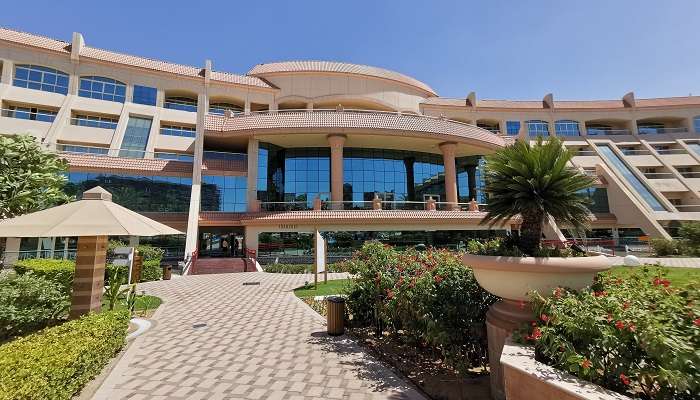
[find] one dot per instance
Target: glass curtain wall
(470, 179)
(135, 137)
(224, 193)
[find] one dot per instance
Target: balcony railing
(659, 175)
(107, 152)
(655, 131)
(222, 155)
(606, 132)
(28, 114)
(671, 151)
(635, 152)
(282, 206)
(584, 153)
(688, 207)
(690, 174)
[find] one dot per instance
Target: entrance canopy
(94, 215)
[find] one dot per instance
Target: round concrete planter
(511, 279)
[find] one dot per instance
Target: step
(222, 266)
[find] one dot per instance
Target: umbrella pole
(88, 281)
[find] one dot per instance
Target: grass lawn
(678, 276)
(323, 289)
(143, 303)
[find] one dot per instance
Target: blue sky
(592, 49)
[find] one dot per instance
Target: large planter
(526, 378)
(511, 279)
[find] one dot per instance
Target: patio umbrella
(92, 219)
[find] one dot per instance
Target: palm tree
(535, 181)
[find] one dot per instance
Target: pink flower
(557, 293)
(696, 322)
(620, 325)
(544, 318)
(536, 334)
(600, 293)
(632, 327)
(586, 363)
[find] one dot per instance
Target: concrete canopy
(94, 215)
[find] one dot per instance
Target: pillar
(336, 143)
(252, 178)
(448, 156)
(196, 193)
(88, 280)
(12, 246)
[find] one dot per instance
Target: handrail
(655, 131)
(606, 132)
(94, 123)
(659, 175)
(107, 152)
(671, 151)
(635, 152)
(12, 113)
(691, 174)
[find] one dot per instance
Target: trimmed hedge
(301, 268)
(57, 271)
(57, 362)
(29, 303)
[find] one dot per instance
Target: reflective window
(394, 175)
(98, 87)
(135, 137)
(696, 124)
(31, 113)
(41, 78)
(513, 128)
(493, 128)
(69, 148)
(145, 95)
(599, 199)
(631, 178)
(306, 175)
(270, 183)
(181, 103)
(136, 192)
(178, 130)
(221, 108)
(224, 193)
(537, 128)
(95, 121)
(566, 127)
(695, 147)
(470, 179)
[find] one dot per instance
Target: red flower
(389, 294)
(544, 318)
(624, 379)
(536, 334)
(664, 282)
(620, 325)
(626, 305)
(696, 322)
(600, 294)
(632, 327)
(586, 363)
(438, 279)
(557, 293)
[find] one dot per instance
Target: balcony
(606, 132)
(653, 130)
(347, 120)
(376, 205)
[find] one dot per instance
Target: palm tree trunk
(531, 232)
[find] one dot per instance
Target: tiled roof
(565, 104)
(147, 166)
(42, 42)
(338, 67)
(224, 165)
(349, 120)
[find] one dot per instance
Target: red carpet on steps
(222, 265)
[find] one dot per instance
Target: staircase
(222, 266)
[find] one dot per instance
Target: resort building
(256, 163)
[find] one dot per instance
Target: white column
(336, 142)
(448, 155)
(195, 196)
(11, 251)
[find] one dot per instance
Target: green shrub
(665, 247)
(146, 251)
(638, 335)
(57, 362)
(301, 268)
(57, 271)
(29, 303)
(429, 295)
(151, 270)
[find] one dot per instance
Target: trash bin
(167, 272)
(335, 313)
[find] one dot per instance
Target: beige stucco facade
(337, 106)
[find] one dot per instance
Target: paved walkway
(259, 342)
(669, 262)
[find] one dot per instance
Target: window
(135, 137)
(175, 156)
(31, 113)
(493, 128)
(221, 108)
(178, 130)
(513, 128)
(224, 193)
(537, 128)
(566, 127)
(696, 124)
(97, 87)
(145, 95)
(69, 148)
(181, 103)
(94, 121)
(41, 78)
(650, 128)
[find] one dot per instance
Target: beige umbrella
(92, 219)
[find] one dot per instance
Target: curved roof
(352, 120)
(340, 68)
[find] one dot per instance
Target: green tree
(31, 178)
(535, 181)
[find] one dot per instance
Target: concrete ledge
(525, 378)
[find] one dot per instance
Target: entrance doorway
(223, 242)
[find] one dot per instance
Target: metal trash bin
(335, 314)
(167, 272)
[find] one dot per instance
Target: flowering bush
(637, 335)
(430, 297)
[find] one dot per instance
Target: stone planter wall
(525, 379)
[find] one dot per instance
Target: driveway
(259, 342)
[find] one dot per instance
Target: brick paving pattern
(259, 342)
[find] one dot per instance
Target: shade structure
(94, 215)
